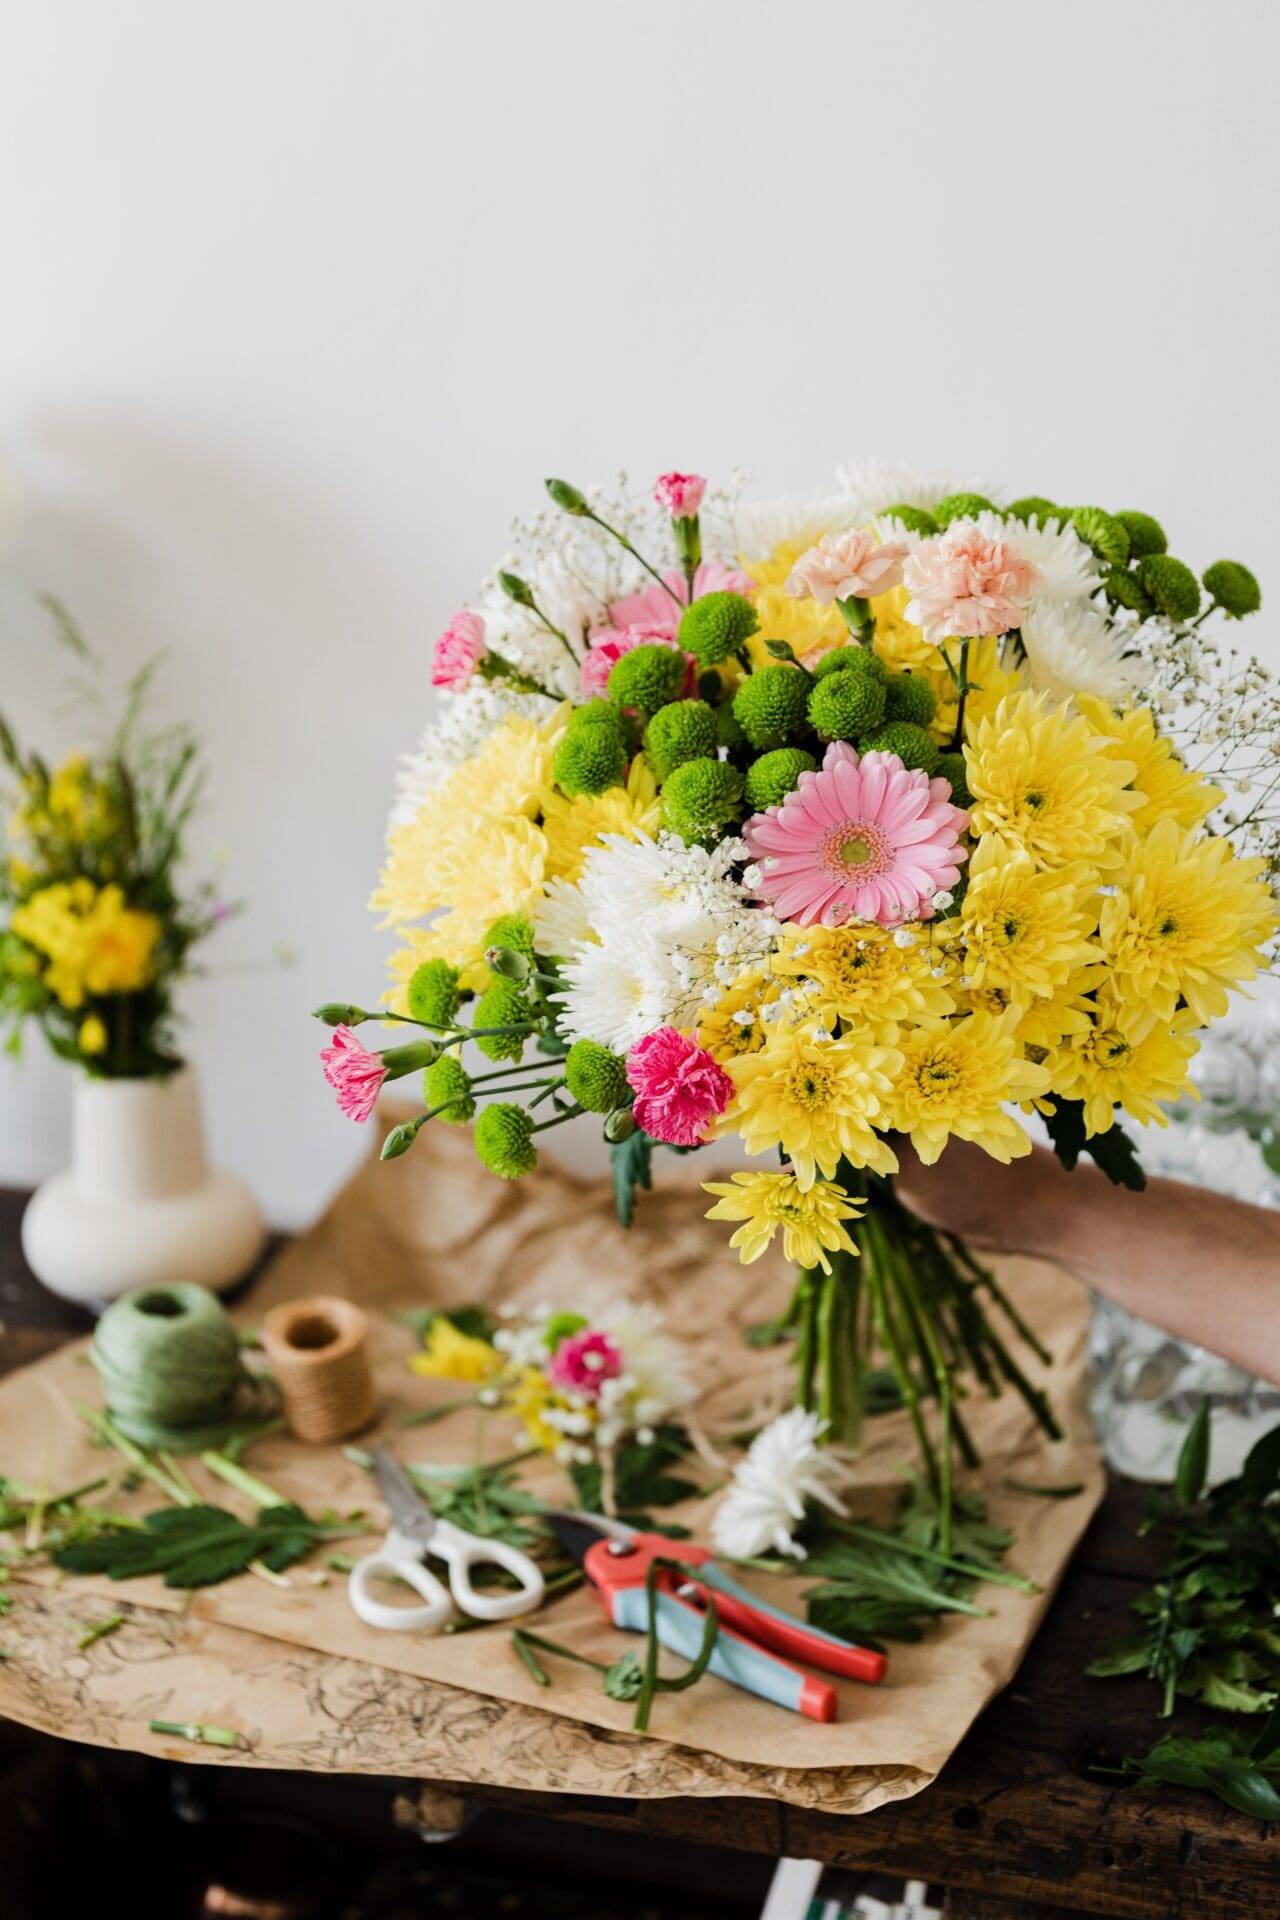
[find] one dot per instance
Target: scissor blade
(576, 1533)
(409, 1511)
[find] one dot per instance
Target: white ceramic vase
(139, 1204)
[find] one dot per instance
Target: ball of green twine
(170, 1363)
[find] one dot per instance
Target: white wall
(300, 300)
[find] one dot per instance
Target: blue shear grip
(715, 1577)
(680, 1629)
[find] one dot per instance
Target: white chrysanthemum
(870, 486)
(561, 923)
(654, 1377)
(618, 991)
(1073, 649)
(463, 722)
(628, 882)
(1068, 569)
(758, 526)
(784, 1470)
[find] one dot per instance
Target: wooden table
(1015, 1827)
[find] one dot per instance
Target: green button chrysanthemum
(908, 696)
(685, 730)
(596, 1077)
(446, 1088)
(1171, 584)
(1233, 587)
(433, 995)
(951, 766)
(961, 506)
(589, 760)
(851, 660)
(715, 626)
(1146, 535)
(503, 1141)
(701, 798)
(647, 677)
(842, 706)
(770, 706)
(501, 1005)
(912, 519)
(913, 746)
(774, 775)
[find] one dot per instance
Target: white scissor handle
(465, 1551)
(398, 1559)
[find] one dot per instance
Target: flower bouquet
(893, 815)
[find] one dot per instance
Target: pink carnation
(608, 644)
(458, 651)
(859, 839)
(679, 1087)
(583, 1363)
(654, 607)
(966, 584)
(680, 493)
(844, 565)
(355, 1074)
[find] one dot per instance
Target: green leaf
(1260, 1474)
(197, 1546)
(631, 1161)
(1125, 1653)
(1268, 1740)
(641, 1476)
(1247, 1790)
(1113, 1152)
(1193, 1460)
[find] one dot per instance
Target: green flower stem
(571, 1113)
(550, 1087)
(561, 636)
(962, 686)
(241, 1479)
(954, 1563)
(983, 1277)
(905, 1280)
(100, 1631)
(206, 1736)
(806, 1309)
(651, 1683)
(627, 547)
(106, 1430)
(878, 1277)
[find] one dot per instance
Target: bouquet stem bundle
(918, 1297)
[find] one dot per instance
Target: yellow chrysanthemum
(1043, 780)
(511, 772)
(812, 1219)
(722, 1033)
(449, 1354)
(811, 628)
(571, 826)
(94, 942)
(1169, 790)
(816, 1098)
(859, 976)
(954, 1079)
(1186, 921)
(530, 1398)
(1128, 1058)
(500, 868)
(1025, 932)
(899, 643)
(1042, 1024)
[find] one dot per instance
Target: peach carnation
(847, 565)
(964, 584)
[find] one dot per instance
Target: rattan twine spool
(318, 1349)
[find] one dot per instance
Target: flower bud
(515, 589)
(401, 1138)
(568, 498)
(341, 1013)
(619, 1126)
(780, 649)
(411, 1059)
(507, 964)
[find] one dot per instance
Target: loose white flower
(618, 991)
(1073, 649)
(561, 922)
(798, 520)
(784, 1470)
(656, 1377)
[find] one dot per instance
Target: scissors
(417, 1533)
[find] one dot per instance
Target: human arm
(1205, 1267)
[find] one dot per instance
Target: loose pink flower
(843, 565)
(608, 644)
(355, 1074)
(965, 584)
(859, 839)
(679, 1086)
(583, 1363)
(458, 651)
(653, 606)
(680, 493)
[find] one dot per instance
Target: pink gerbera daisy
(863, 839)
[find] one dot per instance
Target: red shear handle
(770, 1627)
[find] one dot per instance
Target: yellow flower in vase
(811, 1219)
(955, 1078)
